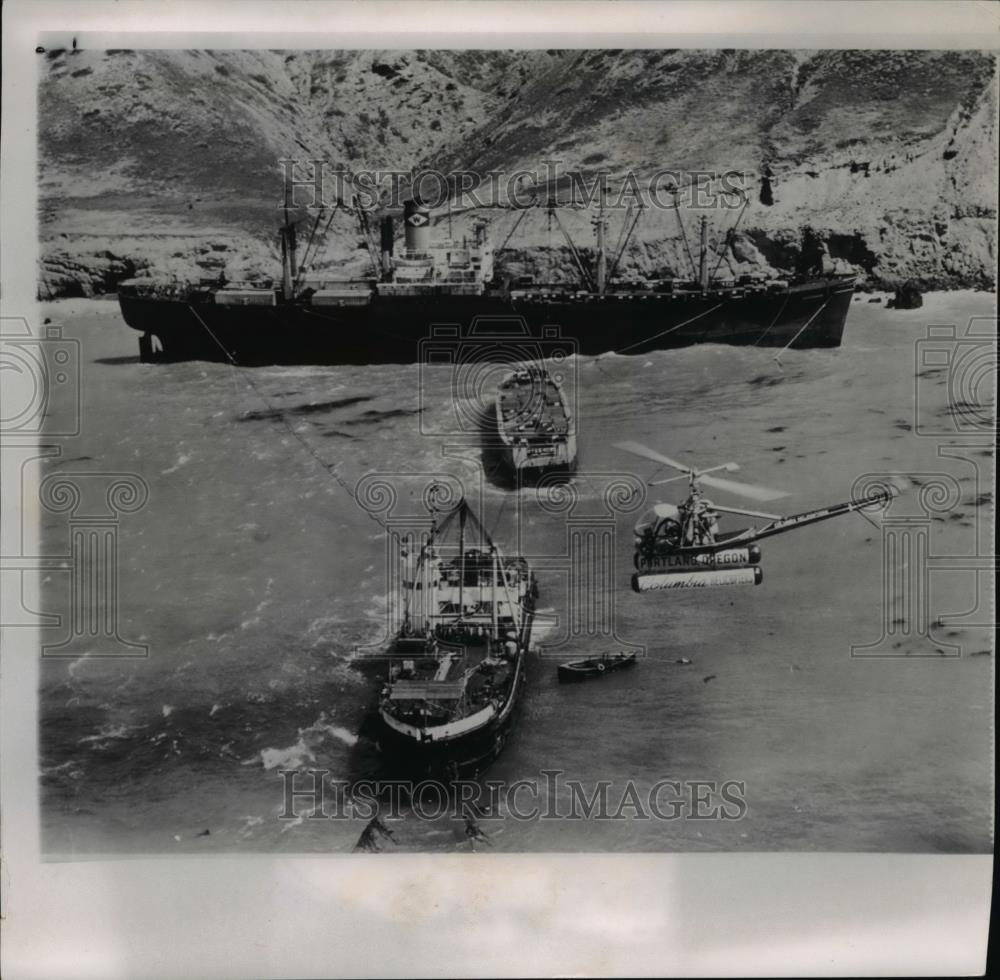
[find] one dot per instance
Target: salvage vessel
(457, 663)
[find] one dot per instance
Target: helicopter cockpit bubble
(660, 524)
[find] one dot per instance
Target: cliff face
(166, 161)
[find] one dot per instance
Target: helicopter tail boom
(793, 521)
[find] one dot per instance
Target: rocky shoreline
(95, 266)
(164, 163)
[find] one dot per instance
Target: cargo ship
(388, 316)
(536, 429)
(457, 664)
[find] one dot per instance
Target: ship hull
(403, 330)
(527, 476)
(523, 467)
(409, 755)
(464, 756)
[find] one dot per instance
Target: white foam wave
(294, 757)
(182, 460)
(111, 733)
(294, 823)
(248, 825)
(323, 728)
(342, 734)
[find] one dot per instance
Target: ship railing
(160, 287)
(406, 275)
(460, 253)
(426, 690)
(262, 283)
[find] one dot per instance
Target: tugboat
(536, 428)
(457, 663)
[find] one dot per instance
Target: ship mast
(289, 272)
(703, 257)
(425, 587)
(493, 596)
(585, 276)
(601, 225)
(461, 562)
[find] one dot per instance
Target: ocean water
(253, 576)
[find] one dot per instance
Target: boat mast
(601, 226)
(289, 271)
(408, 585)
(461, 562)
(584, 274)
(365, 228)
(516, 609)
(703, 257)
(412, 608)
(424, 601)
(624, 240)
(496, 574)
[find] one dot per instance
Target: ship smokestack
(386, 233)
(416, 220)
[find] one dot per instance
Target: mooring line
(663, 333)
(328, 468)
(777, 357)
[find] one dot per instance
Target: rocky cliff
(165, 162)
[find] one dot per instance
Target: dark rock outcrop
(908, 296)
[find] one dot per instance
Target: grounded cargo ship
(388, 317)
(537, 430)
(457, 664)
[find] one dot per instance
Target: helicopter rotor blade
(669, 479)
(747, 490)
(746, 513)
(638, 449)
(743, 489)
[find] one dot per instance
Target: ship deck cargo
(536, 428)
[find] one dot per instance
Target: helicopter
(680, 546)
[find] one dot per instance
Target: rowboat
(579, 670)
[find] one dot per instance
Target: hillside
(166, 161)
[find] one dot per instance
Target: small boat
(579, 670)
